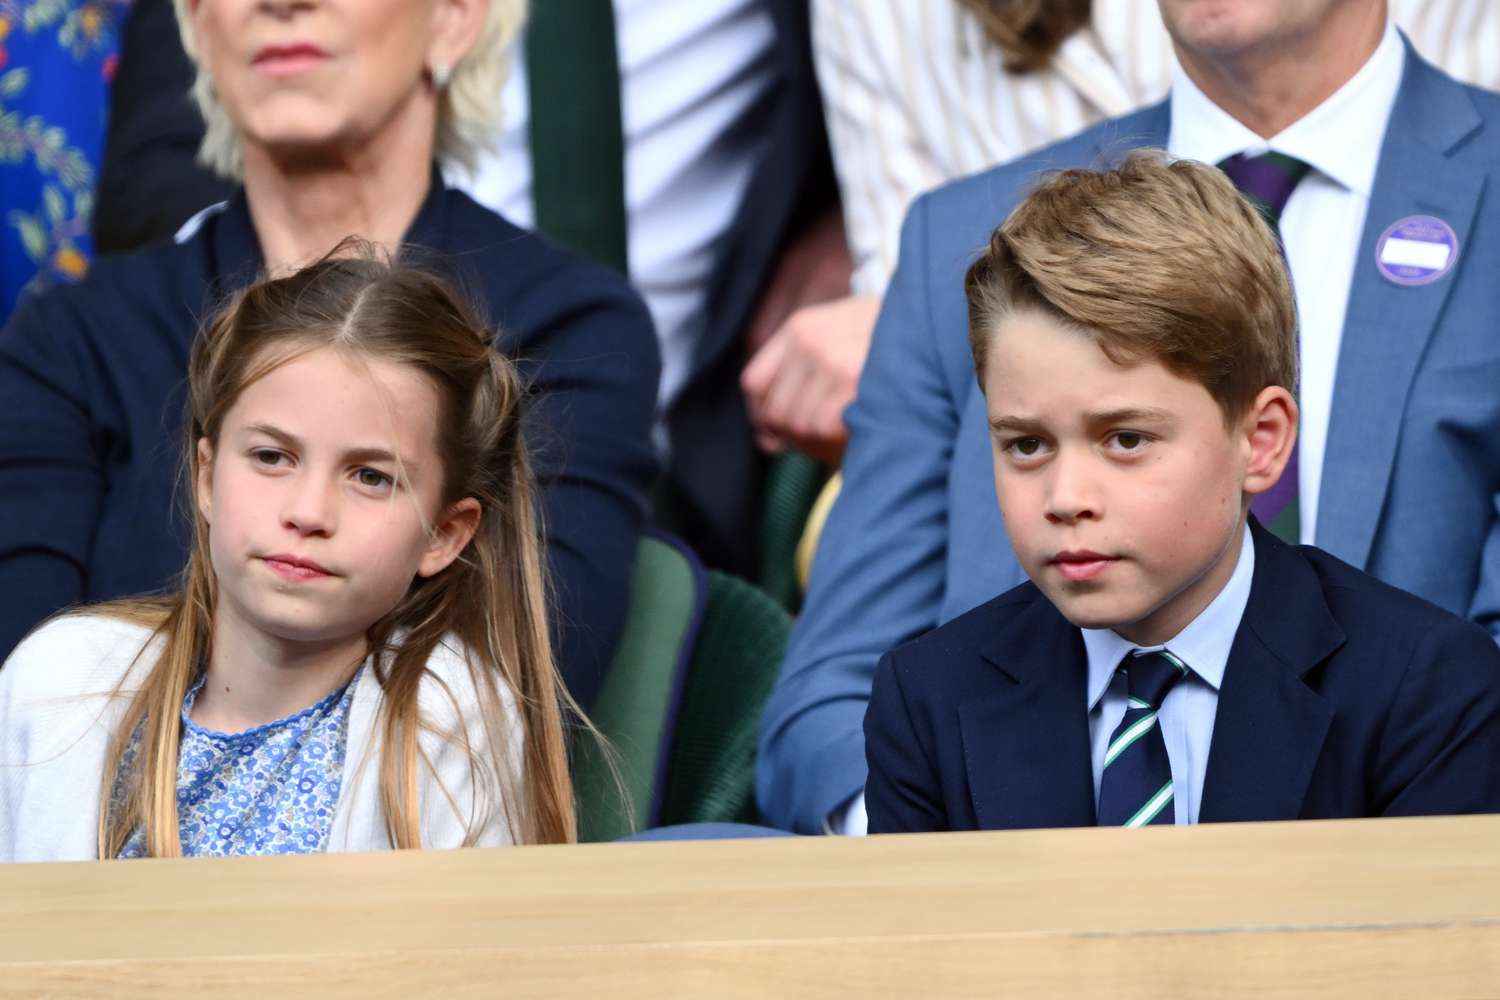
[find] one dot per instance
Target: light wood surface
(1349, 909)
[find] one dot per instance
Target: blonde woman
(333, 116)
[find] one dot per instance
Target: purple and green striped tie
(1135, 788)
(1268, 181)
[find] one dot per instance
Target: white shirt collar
(1203, 645)
(1337, 138)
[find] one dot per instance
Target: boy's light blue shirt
(1186, 716)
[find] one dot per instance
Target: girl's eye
(267, 456)
(372, 478)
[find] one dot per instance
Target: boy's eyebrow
(353, 455)
(1009, 423)
(1129, 414)
(1119, 415)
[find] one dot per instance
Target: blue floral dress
(267, 790)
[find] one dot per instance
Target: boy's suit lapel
(1026, 743)
(1270, 726)
(1387, 326)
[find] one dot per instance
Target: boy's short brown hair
(1156, 260)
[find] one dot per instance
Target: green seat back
(792, 485)
(636, 704)
(711, 773)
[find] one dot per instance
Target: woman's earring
(441, 74)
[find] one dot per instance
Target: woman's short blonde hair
(468, 112)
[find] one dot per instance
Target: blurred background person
(56, 62)
(917, 94)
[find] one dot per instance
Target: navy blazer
(91, 386)
(1411, 477)
(1343, 697)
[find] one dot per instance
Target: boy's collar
(1203, 644)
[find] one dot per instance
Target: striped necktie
(1268, 181)
(577, 140)
(1136, 786)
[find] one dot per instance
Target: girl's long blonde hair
(492, 600)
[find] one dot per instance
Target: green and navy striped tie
(1136, 786)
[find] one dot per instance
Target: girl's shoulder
(76, 654)
(449, 695)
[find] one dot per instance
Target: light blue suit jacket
(1411, 479)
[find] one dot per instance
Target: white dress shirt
(1321, 224)
(1186, 715)
(691, 73)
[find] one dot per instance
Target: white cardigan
(57, 716)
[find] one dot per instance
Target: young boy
(1134, 334)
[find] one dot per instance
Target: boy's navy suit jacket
(1343, 697)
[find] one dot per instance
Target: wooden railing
(1350, 909)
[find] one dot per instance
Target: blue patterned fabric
(56, 60)
(267, 790)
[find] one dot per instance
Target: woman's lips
(288, 60)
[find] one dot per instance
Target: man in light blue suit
(1393, 241)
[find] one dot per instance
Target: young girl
(359, 656)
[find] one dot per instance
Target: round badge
(1416, 250)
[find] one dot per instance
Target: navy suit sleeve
(51, 476)
(902, 792)
(1484, 608)
(593, 369)
(879, 574)
(1440, 750)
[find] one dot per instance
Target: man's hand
(799, 383)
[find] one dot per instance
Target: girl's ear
(204, 487)
(449, 536)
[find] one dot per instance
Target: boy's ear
(204, 487)
(449, 536)
(1270, 428)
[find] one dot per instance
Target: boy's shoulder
(452, 697)
(1378, 617)
(952, 655)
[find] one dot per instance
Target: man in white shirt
(1391, 250)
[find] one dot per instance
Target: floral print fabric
(56, 61)
(267, 790)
